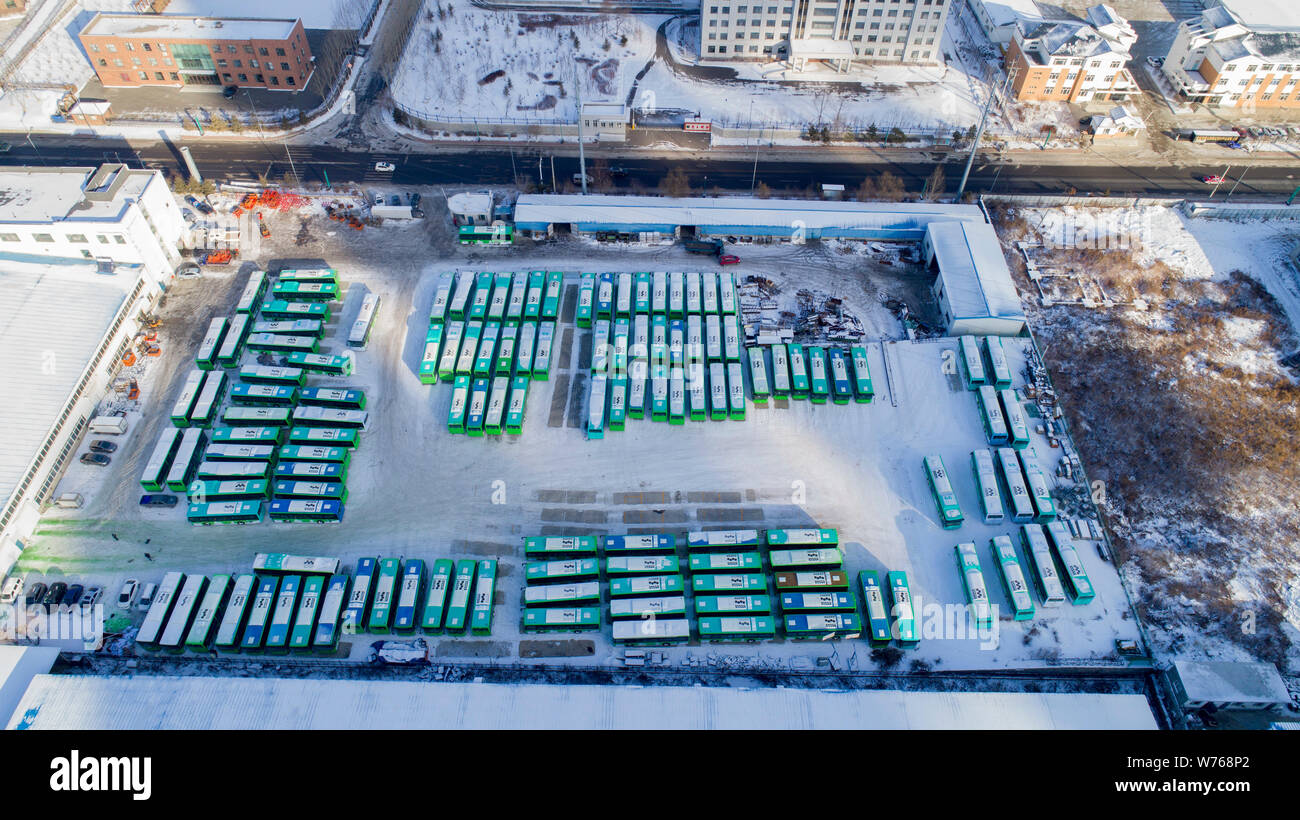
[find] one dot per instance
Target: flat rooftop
(142, 702)
(1266, 15)
(38, 195)
(52, 319)
(185, 27)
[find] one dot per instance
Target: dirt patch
(493, 77)
(556, 649)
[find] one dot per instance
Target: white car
(127, 593)
(385, 167)
(13, 590)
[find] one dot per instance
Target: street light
(262, 134)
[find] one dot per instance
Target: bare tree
(891, 187)
(933, 185)
(676, 183)
(867, 191)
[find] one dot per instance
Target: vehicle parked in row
(54, 595)
(101, 446)
(126, 595)
(163, 500)
(728, 259)
(35, 593)
(385, 167)
(73, 595)
(97, 459)
(13, 588)
(199, 205)
(91, 596)
(146, 597)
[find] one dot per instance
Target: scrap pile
(823, 316)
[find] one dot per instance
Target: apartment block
(141, 50)
(1072, 60)
(1238, 55)
(828, 32)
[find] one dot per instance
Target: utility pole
(582, 155)
(979, 134)
(1222, 177)
(554, 188)
(1240, 177)
(753, 178)
(34, 148)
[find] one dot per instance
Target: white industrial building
(974, 289)
(1001, 20)
(83, 252)
(88, 703)
(1227, 685)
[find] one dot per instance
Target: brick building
(141, 50)
(1238, 54)
(1073, 61)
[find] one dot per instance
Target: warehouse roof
(187, 27)
(18, 665)
(535, 211)
(1226, 681)
(53, 318)
(142, 702)
(40, 195)
(974, 272)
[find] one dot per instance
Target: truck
(403, 653)
(705, 246)
(108, 425)
(396, 212)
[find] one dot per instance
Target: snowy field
(1200, 496)
(417, 491)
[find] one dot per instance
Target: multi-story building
(133, 50)
(82, 252)
(1073, 61)
(838, 32)
(1001, 19)
(1238, 53)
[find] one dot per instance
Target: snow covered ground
(417, 491)
(1199, 496)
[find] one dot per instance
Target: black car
(35, 593)
(617, 171)
(101, 446)
(158, 501)
(98, 459)
(54, 595)
(73, 595)
(414, 197)
(230, 91)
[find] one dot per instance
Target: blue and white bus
(986, 481)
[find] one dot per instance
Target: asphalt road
(491, 165)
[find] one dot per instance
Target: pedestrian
(147, 555)
(114, 535)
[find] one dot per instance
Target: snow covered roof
(69, 309)
(313, 13)
(1265, 15)
(185, 27)
(18, 665)
(1008, 12)
(821, 48)
(974, 271)
(37, 195)
(535, 211)
(1225, 681)
(101, 702)
(470, 203)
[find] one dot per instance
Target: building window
(174, 76)
(111, 48)
(279, 52)
(252, 63)
(239, 63)
(284, 66)
(103, 62)
(94, 48)
(130, 47)
(43, 237)
(9, 237)
(222, 64)
(158, 75)
(119, 239)
(243, 78)
(79, 238)
(103, 238)
(248, 49)
(260, 78)
(146, 47)
(275, 80)
(227, 77)
(261, 52)
(118, 62)
(143, 75)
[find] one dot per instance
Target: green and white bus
(263, 395)
(203, 629)
(309, 275)
(652, 632)
(484, 597)
(697, 390)
(486, 292)
(735, 391)
(726, 562)
(873, 605)
(276, 343)
(818, 602)
(596, 408)
(235, 614)
(305, 510)
(236, 416)
(829, 557)
(357, 609)
(324, 436)
(638, 585)
(518, 295)
(155, 619)
(717, 391)
(185, 401)
(205, 406)
(694, 294)
(822, 626)
(676, 396)
(259, 614)
(234, 470)
(339, 398)
(239, 452)
(551, 297)
(301, 291)
(280, 309)
(248, 435)
(819, 383)
(258, 489)
(604, 297)
(504, 364)
(359, 335)
(617, 565)
(617, 403)
(252, 293)
(709, 292)
(485, 356)
(695, 351)
(759, 384)
(435, 602)
(863, 392)
(233, 343)
(154, 478)
(409, 595)
(1039, 493)
(950, 516)
(780, 372)
(462, 592)
(542, 354)
(676, 294)
(311, 489)
(534, 294)
(518, 401)
(729, 582)
(841, 386)
(638, 371)
(730, 340)
(442, 298)
(733, 604)
(477, 410)
(206, 358)
(1017, 427)
(972, 363)
(649, 542)
(986, 482)
(659, 292)
(1042, 566)
(495, 234)
(813, 579)
(186, 460)
(972, 582)
(542, 546)
(468, 348)
(998, 367)
(458, 307)
(290, 327)
(325, 640)
(572, 619)
(1073, 576)
(283, 563)
(803, 538)
(323, 363)
(900, 609)
(450, 356)
(995, 426)
(459, 404)
(798, 371)
(623, 295)
(496, 408)
(726, 294)
(647, 608)
(1021, 506)
(304, 622)
(311, 469)
(381, 603)
(712, 338)
(311, 416)
(286, 601)
(737, 628)
(572, 569)
(286, 376)
(586, 300)
(524, 348)
(641, 287)
(183, 612)
(722, 539)
(1013, 577)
